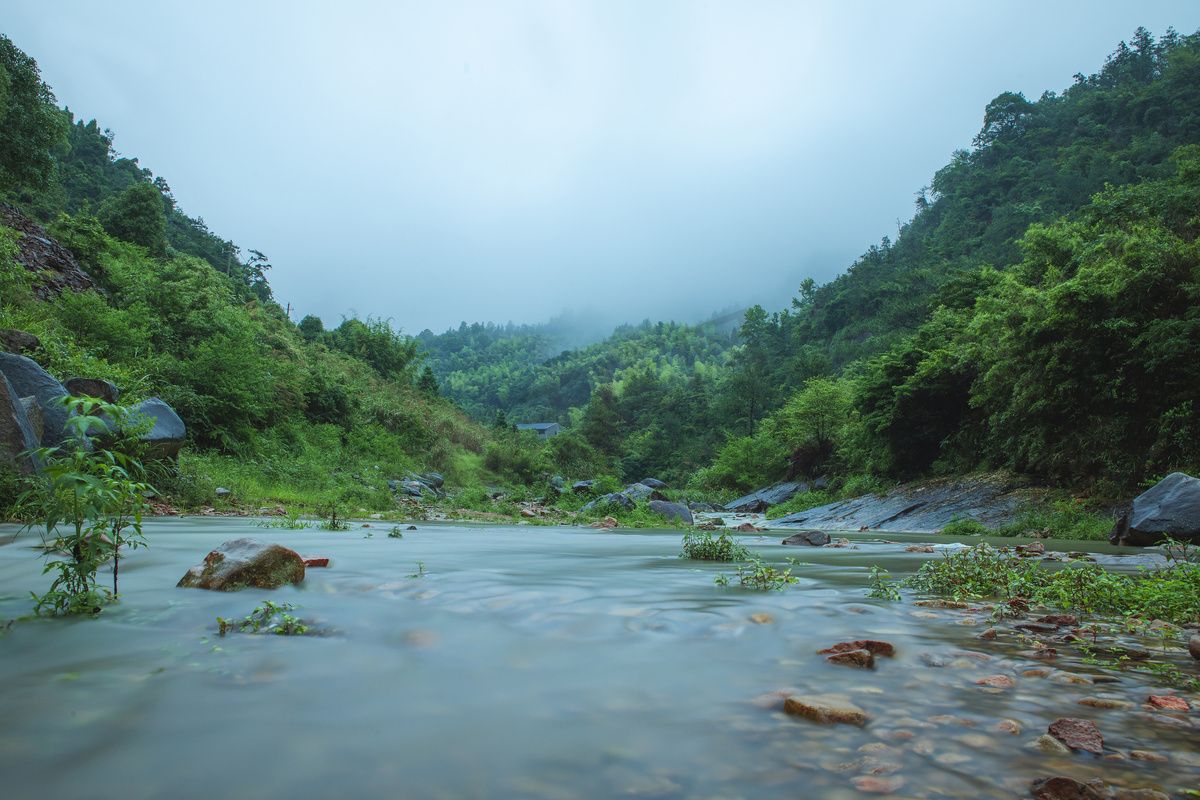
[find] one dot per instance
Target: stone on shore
(672, 511)
(241, 563)
(17, 433)
(825, 709)
(810, 538)
(1170, 508)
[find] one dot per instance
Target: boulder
(18, 343)
(36, 418)
(582, 487)
(28, 379)
(434, 480)
(240, 563)
(620, 499)
(700, 507)
(17, 434)
(853, 658)
(763, 499)
(672, 510)
(654, 483)
(167, 432)
(811, 538)
(93, 387)
(557, 482)
(873, 646)
(639, 492)
(1170, 508)
(1194, 647)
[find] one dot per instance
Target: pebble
(1147, 755)
(825, 709)
(1169, 702)
(1106, 702)
(1048, 744)
(1007, 726)
(762, 619)
(1001, 681)
(867, 783)
(1077, 734)
(1069, 677)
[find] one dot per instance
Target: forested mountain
(880, 328)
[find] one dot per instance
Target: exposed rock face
(700, 507)
(810, 538)
(1169, 508)
(19, 343)
(624, 501)
(168, 433)
(826, 709)
(928, 506)
(763, 499)
(654, 483)
(93, 387)
(53, 264)
(240, 563)
(672, 510)
(34, 412)
(31, 380)
(17, 434)
(582, 487)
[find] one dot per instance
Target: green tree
(427, 384)
(136, 216)
(31, 124)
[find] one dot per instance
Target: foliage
(291, 522)
(803, 501)
(268, 617)
(704, 546)
(756, 574)
(94, 494)
(880, 587)
(964, 526)
(30, 123)
(136, 216)
(1060, 520)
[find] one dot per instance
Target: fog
(432, 163)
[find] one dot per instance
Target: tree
(427, 384)
(30, 122)
(136, 216)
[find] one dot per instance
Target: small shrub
(704, 546)
(964, 526)
(757, 574)
(880, 587)
(267, 617)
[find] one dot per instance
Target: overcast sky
(436, 162)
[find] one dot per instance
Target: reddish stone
(853, 658)
(1077, 734)
(1169, 702)
(870, 645)
(1064, 789)
(315, 561)
(1001, 681)
(871, 783)
(1059, 620)
(746, 527)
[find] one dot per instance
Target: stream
(540, 662)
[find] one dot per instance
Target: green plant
(880, 586)
(757, 574)
(704, 546)
(331, 522)
(263, 620)
(291, 521)
(95, 495)
(964, 526)
(420, 573)
(395, 533)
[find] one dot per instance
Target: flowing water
(531, 662)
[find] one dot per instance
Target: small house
(544, 430)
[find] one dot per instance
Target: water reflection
(532, 662)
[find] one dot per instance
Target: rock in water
(826, 709)
(853, 658)
(1194, 647)
(811, 538)
(873, 646)
(1077, 734)
(1169, 508)
(1064, 789)
(240, 563)
(671, 510)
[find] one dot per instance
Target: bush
(964, 526)
(704, 546)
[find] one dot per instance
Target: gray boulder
(167, 432)
(34, 412)
(654, 483)
(809, 538)
(582, 487)
(17, 434)
(672, 511)
(623, 500)
(28, 379)
(1170, 508)
(240, 563)
(760, 501)
(433, 480)
(93, 387)
(557, 482)
(701, 507)
(639, 491)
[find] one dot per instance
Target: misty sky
(492, 161)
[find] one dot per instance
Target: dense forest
(1038, 313)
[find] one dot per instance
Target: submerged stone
(825, 709)
(1077, 734)
(241, 563)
